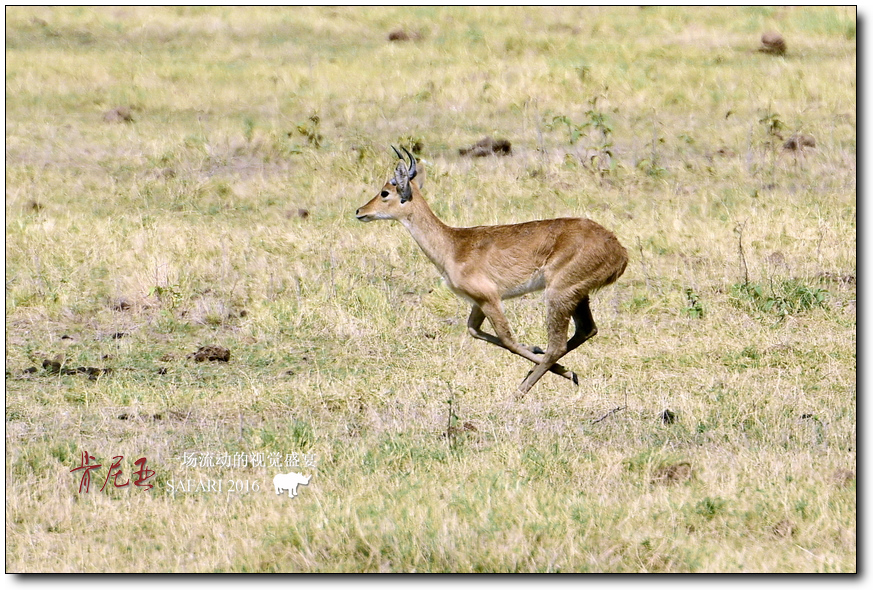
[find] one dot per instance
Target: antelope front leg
(474, 327)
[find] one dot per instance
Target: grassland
(183, 177)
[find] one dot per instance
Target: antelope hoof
(537, 350)
(575, 379)
(519, 394)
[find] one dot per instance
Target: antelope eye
(385, 194)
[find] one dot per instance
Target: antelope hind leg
(533, 354)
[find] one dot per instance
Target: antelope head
(393, 201)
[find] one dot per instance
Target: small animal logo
(290, 481)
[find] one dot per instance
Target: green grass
(131, 244)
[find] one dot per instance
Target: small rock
(401, 35)
(772, 43)
(51, 366)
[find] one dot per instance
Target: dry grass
(133, 242)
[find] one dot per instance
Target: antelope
(568, 258)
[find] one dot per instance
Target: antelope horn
(399, 155)
(412, 170)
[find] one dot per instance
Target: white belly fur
(536, 283)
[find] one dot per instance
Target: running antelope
(569, 258)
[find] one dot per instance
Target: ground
(186, 283)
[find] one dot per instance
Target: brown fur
(568, 257)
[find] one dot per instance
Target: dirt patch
(799, 142)
(120, 304)
(784, 528)
(453, 431)
(172, 415)
(34, 206)
(118, 115)
(210, 353)
(56, 368)
(301, 213)
(836, 278)
(843, 477)
(672, 474)
(488, 146)
(667, 416)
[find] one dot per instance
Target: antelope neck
(431, 234)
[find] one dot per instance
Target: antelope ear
(421, 168)
(401, 180)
